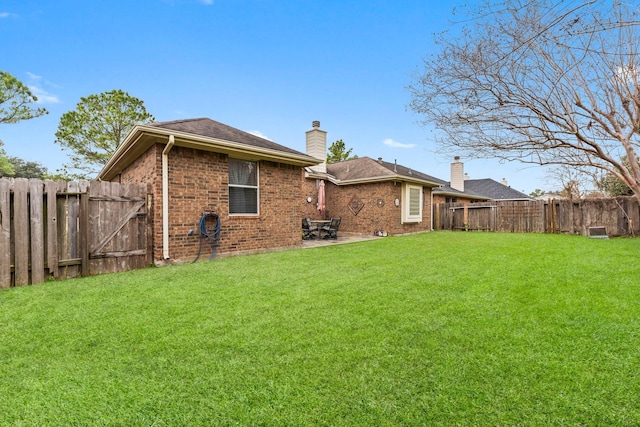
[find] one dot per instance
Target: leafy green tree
(537, 193)
(6, 168)
(16, 100)
(27, 169)
(612, 185)
(338, 152)
(95, 129)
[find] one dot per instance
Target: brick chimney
(317, 146)
(457, 174)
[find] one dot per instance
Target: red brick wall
(198, 182)
(378, 210)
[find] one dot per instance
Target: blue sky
(269, 67)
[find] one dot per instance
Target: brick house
(369, 195)
(199, 165)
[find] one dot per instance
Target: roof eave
(386, 178)
(463, 195)
(189, 140)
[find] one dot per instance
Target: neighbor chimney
(457, 174)
(504, 182)
(317, 146)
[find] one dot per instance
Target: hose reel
(209, 229)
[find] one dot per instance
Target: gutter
(382, 178)
(165, 197)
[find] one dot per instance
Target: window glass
(243, 187)
(414, 201)
(243, 172)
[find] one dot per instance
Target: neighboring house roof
(202, 134)
(447, 190)
(365, 169)
(484, 189)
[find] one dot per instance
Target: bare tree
(541, 82)
(572, 183)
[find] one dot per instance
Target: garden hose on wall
(209, 229)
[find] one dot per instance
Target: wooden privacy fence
(58, 229)
(620, 216)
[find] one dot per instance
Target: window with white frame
(411, 203)
(243, 187)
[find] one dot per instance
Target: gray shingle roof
(485, 188)
(211, 129)
(365, 168)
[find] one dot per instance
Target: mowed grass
(430, 329)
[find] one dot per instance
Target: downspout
(165, 197)
(431, 207)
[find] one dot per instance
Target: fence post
(51, 189)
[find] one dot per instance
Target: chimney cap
(456, 158)
(315, 124)
(380, 160)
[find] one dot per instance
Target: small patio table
(320, 223)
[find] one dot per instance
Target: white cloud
(259, 134)
(395, 144)
(36, 87)
(207, 2)
(34, 76)
(4, 14)
(43, 96)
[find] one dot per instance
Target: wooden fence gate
(58, 229)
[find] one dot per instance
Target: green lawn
(434, 329)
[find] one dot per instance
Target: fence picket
(21, 231)
(5, 234)
(37, 230)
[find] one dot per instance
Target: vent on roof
(380, 160)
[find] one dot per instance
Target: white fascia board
(387, 178)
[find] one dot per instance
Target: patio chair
(308, 229)
(331, 230)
